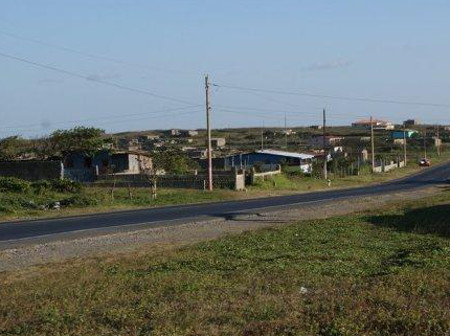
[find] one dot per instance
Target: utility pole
(425, 143)
(404, 144)
(285, 132)
(208, 134)
(372, 141)
(262, 137)
(437, 141)
(324, 145)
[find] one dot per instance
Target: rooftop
(301, 156)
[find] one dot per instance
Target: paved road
(11, 232)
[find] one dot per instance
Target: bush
(41, 187)
(79, 200)
(13, 184)
(66, 185)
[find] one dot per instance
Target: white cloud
(328, 65)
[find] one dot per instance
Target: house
(173, 132)
(195, 153)
(399, 134)
(147, 137)
(83, 167)
(377, 124)
(189, 133)
(271, 157)
(317, 141)
(316, 127)
(411, 122)
(218, 142)
(288, 132)
(129, 144)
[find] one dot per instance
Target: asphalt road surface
(11, 232)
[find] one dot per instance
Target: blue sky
(396, 50)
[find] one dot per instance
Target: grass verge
(384, 272)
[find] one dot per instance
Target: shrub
(80, 201)
(13, 184)
(41, 187)
(66, 185)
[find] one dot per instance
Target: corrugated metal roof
(287, 154)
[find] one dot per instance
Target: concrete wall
(32, 170)
(387, 167)
(226, 180)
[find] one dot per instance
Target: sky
(137, 64)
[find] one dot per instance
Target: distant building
(316, 127)
(268, 156)
(147, 137)
(218, 142)
(288, 132)
(173, 132)
(195, 153)
(437, 142)
(411, 122)
(317, 141)
(129, 144)
(377, 124)
(398, 134)
(365, 139)
(81, 167)
(189, 133)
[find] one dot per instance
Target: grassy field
(384, 272)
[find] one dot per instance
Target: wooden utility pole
(404, 144)
(262, 137)
(208, 134)
(425, 143)
(372, 141)
(324, 145)
(285, 132)
(437, 141)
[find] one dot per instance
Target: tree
(169, 161)
(78, 139)
(11, 147)
(173, 162)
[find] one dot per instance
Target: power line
(107, 117)
(100, 81)
(293, 93)
(90, 55)
(116, 121)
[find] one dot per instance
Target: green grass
(383, 272)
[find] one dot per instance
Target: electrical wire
(100, 81)
(362, 99)
(103, 118)
(91, 55)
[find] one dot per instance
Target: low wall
(388, 167)
(32, 170)
(225, 180)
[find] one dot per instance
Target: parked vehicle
(424, 162)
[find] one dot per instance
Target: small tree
(78, 139)
(10, 147)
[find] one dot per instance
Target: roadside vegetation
(383, 272)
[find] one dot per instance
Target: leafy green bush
(66, 185)
(41, 187)
(13, 184)
(79, 201)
